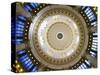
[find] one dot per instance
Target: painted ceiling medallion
(58, 36)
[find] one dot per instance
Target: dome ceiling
(54, 37)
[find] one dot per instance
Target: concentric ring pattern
(53, 37)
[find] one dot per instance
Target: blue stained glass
(34, 5)
(84, 66)
(94, 46)
(22, 18)
(29, 65)
(27, 61)
(20, 52)
(94, 33)
(19, 29)
(18, 41)
(83, 7)
(28, 8)
(92, 54)
(34, 69)
(94, 43)
(94, 40)
(19, 35)
(92, 17)
(19, 26)
(87, 62)
(20, 22)
(23, 58)
(94, 23)
(87, 9)
(19, 32)
(90, 14)
(94, 49)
